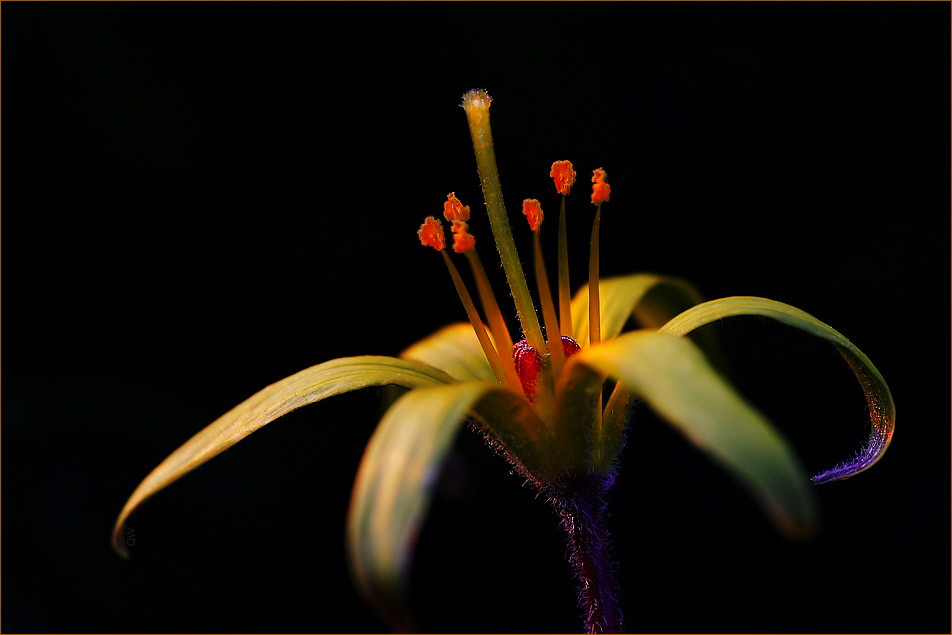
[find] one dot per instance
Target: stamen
(463, 241)
(601, 189)
(497, 324)
(431, 234)
(533, 211)
(454, 210)
(594, 315)
(564, 175)
(600, 192)
(476, 104)
(494, 362)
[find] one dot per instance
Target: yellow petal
(675, 378)
(455, 350)
(313, 384)
(394, 483)
(651, 298)
(882, 409)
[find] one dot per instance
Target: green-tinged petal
(882, 409)
(397, 473)
(652, 299)
(577, 419)
(312, 384)
(455, 350)
(675, 378)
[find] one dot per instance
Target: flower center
(529, 363)
(535, 363)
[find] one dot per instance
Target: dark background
(200, 199)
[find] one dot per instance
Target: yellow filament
(553, 335)
(594, 322)
(478, 327)
(565, 291)
(497, 324)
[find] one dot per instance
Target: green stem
(476, 105)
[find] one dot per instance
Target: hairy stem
(581, 504)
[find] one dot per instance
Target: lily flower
(555, 403)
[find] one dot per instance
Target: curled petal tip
(865, 459)
(882, 417)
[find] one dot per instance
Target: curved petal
(882, 409)
(312, 384)
(455, 350)
(675, 378)
(653, 299)
(394, 483)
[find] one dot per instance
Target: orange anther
(533, 212)
(564, 176)
(463, 241)
(601, 189)
(454, 210)
(431, 234)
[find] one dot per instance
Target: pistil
(476, 104)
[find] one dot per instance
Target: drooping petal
(455, 350)
(397, 473)
(312, 384)
(882, 409)
(675, 378)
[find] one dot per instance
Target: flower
(540, 400)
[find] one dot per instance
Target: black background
(200, 199)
